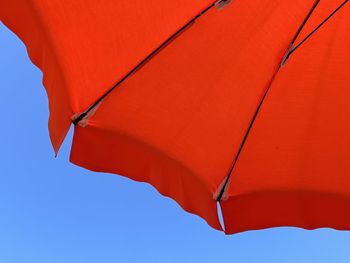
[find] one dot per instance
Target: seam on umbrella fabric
(218, 3)
(293, 49)
(300, 28)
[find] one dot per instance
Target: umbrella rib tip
(220, 4)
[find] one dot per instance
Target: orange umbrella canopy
(245, 103)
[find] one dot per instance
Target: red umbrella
(245, 103)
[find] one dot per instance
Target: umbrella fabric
(192, 97)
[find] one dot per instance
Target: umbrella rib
(224, 186)
(317, 28)
(218, 3)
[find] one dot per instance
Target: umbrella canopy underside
(188, 79)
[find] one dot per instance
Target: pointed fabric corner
(80, 52)
(21, 17)
(294, 169)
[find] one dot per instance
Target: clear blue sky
(52, 211)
